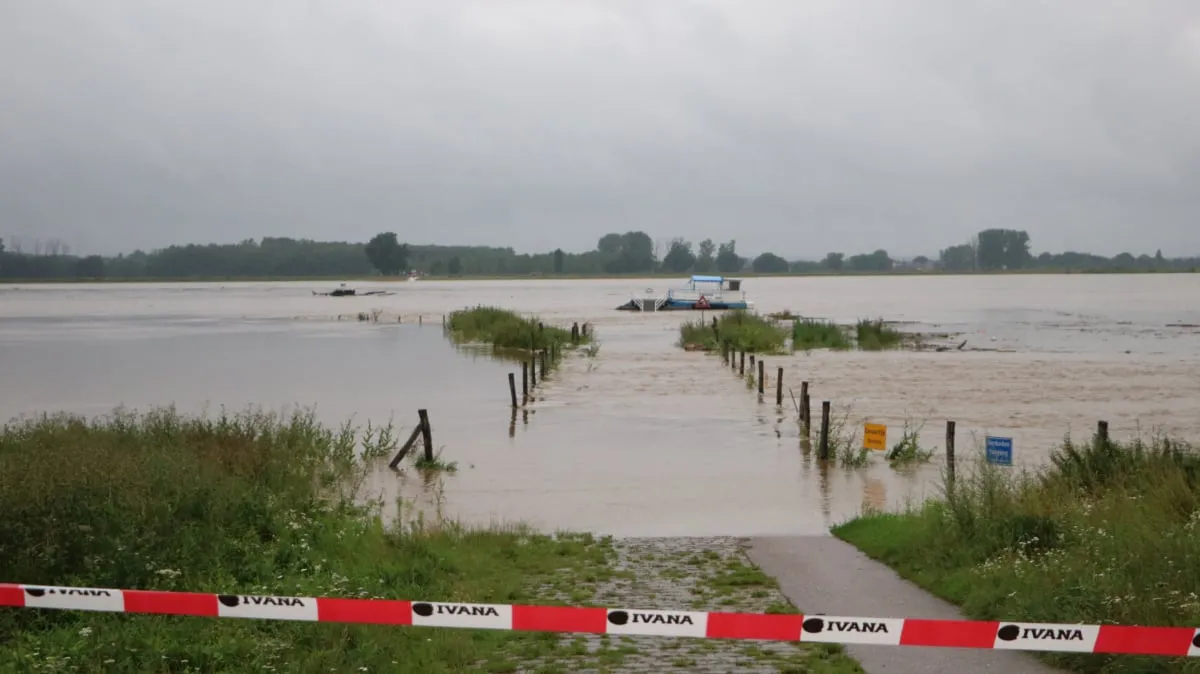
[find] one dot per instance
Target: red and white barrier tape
(1169, 641)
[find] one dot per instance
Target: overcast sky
(797, 126)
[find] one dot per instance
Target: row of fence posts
(738, 364)
(538, 358)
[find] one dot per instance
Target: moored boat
(713, 293)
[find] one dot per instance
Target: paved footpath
(821, 574)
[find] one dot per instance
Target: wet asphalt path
(821, 574)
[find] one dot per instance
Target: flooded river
(642, 438)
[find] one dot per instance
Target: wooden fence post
(824, 446)
(532, 370)
(1102, 433)
(543, 358)
(805, 410)
(426, 435)
(512, 388)
(950, 455)
(524, 380)
(779, 388)
(742, 366)
(761, 374)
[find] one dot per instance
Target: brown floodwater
(641, 438)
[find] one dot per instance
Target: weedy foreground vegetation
(251, 503)
(1108, 533)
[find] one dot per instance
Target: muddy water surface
(642, 438)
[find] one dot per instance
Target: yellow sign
(875, 437)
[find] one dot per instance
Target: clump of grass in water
(908, 450)
(435, 464)
(1107, 532)
(250, 503)
(745, 331)
(505, 329)
(808, 334)
(875, 335)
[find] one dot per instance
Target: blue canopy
(708, 279)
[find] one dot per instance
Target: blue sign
(999, 451)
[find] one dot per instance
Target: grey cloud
(796, 127)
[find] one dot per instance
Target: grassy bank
(743, 330)
(1107, 534)
(875, 335)
(254, 504)
(808, 334)
(504, 329)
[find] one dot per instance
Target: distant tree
(679, 257)
(805, 266)
(958, 258)
(91, 266)
(454, 267)
(877, 261)
(920, 260)
(610, 244)
(628, 253)
(706, 260)
(559, 258)
(728, 260)
(1124, 261)
(1003, 249)
(834, 261)
(387, 254)
(770, 263)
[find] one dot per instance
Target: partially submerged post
(426, 435)
(1102, 433)
(524, 380)
(950, 455)
(779, 388)
(742, 365)
(805, 409)
(761, 366)
(512, 388)
(542, 356)
(532, 371)
(823, 450)
(422, 431)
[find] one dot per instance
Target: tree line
(615, 253)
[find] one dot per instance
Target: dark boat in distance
(712, 293)
(343, 291)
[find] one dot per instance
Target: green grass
(743, 330)
(1106, 534)
(504, 329)
(808, 334)
(248, 503)
(875, 335)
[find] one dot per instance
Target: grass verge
(808, 334)
(504, 329)
(875, 335)
(1106, 534)
(743, 330)
(249, 503)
